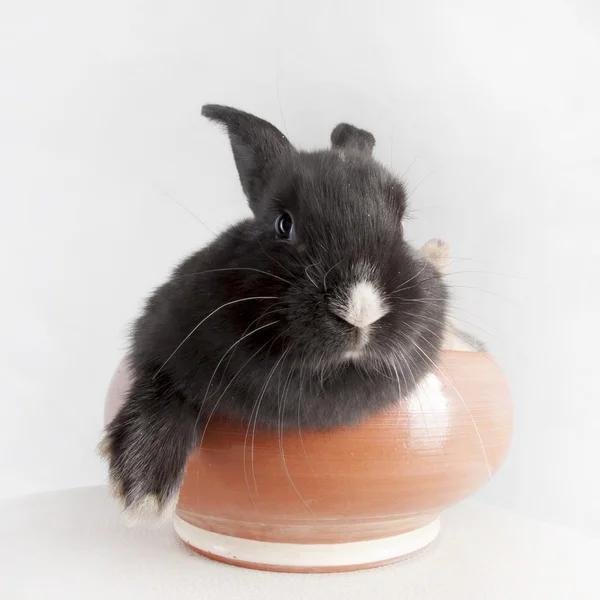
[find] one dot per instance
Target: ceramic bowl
(351, 498)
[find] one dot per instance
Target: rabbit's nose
(363, 306)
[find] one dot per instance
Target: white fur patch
(437, 252)
(105, 448)
(365, 305)
(149, 511)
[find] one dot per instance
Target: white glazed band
(306, 556)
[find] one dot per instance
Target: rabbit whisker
(233, 269)
(208, 317)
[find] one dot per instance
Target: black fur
(280, 358)
(348, 137)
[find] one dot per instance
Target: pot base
(305, 558)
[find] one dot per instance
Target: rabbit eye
(284, 226)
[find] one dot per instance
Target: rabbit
(315, 313)
(437, 252)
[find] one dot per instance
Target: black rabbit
(315, 313)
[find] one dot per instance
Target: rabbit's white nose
(365, 305)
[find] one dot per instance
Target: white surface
(492, 111)
(72, 545)
(306, 555)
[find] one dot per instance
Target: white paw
(437, 252)
(149, 511)
(105, 448)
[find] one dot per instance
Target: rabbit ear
(258, 147)
(348, 137)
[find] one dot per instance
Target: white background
(491, 108)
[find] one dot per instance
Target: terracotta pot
(351, 498)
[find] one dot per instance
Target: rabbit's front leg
(147, 445)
